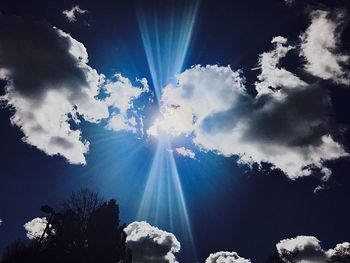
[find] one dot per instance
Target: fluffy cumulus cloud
(320, 47)
(185, 152)
(287, 124)
(151, 244)
(286, 127)
(301, 249)
(201, 92)
(121, 94)
(226, 257)
(341, 253)
(35, 228)
(307, 249)
(71, 14)
(50, 86)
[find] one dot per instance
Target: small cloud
(340, 253)
(308, 249)
(151, 244)
(289, 2)
(226, 257)
(319, 188)
(320, 45)
(185, 152)
(71, 14)
(121, 96)
(1, 222)
(272, 76)
(35, 228)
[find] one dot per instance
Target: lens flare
(166, 39)
(174, 122)
(163, 203)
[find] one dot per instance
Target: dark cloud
(302, 118)
(62, 142)
(50, 85)
(38, 56)
(48, 82)
(288, 123)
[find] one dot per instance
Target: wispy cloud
(185, 152)
(71, 14)
(320, 46)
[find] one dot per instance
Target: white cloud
(307, 249)
(319, 188)
(71, 14)
(185, 152)
(35, 228)
(287, 124)
(202, 91)
(341, 251)
(287, 128)
(301, 249)
(272, 76)
(49, 87)
(119, 122)
(121, 94)
(320, 47)
(1, 221)
(54, 86)
(226, 257)
(151, 244)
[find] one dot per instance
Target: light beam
(163, 199)
(166, 39)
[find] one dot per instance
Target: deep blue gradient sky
(231, 207)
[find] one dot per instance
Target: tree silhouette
(87, 230)
(20, 251)
(83, 203)
(106, 236)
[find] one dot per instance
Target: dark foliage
(87, 230)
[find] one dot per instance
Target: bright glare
(170, 124)
(173, 121)
(163, 196)
(166, 39)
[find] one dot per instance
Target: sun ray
(166, 40)
(163, 201)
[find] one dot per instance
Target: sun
(173, 121)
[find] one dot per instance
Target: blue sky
(214, 200)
